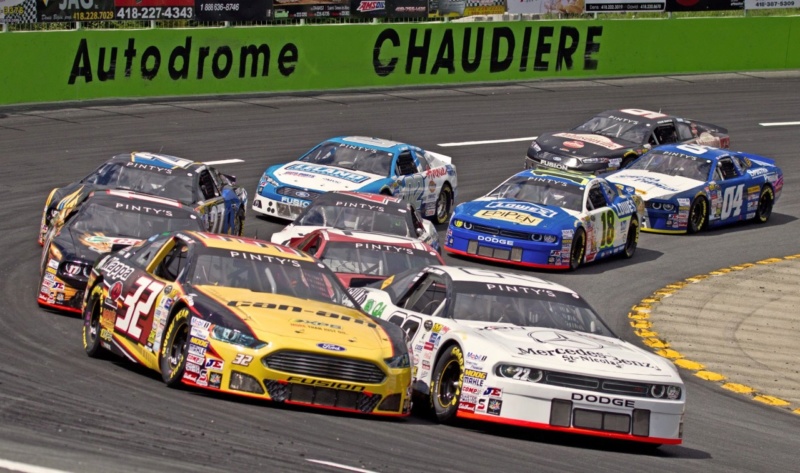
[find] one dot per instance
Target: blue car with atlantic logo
(545, 218)
(424, 179)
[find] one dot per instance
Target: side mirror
(230, 178)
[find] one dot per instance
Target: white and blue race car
(424, 179)
(547, 218)
(689, 187)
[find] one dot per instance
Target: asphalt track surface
(60, 409)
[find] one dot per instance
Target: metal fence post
(152, 24)
(5, 28)
(78, 25)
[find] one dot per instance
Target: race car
(245, 317)
(545, 218)
(518, 350)
(687, 188)
(424, 179)
(107, 220)
(358, 211)
(220, 202)
(361, 258)
(614, 138)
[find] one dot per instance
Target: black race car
(108, 220)
(614, 138)
(217, 198)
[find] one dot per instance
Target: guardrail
(97, 64)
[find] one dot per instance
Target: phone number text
(155, 13)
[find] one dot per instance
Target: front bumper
(279, 206)
(567, 164)
(661, 221)
(507, 250)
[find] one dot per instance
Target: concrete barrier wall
(81, 64)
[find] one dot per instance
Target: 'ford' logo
(330, 346)
(302, 194)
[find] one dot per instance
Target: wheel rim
(630, 245)
(765, 206)
(178, 347)
(448, 383)
(94, 323)
(441, 204)
(577, 251)
(698, 216)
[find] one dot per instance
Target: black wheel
(578, 250)
(765, 204)
(174, 349)
(627, 160)
(698, 213)
(632, 241)
(446, 380)
(91, 323)
(444, 204)
(238, 223)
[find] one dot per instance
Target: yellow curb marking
(771, 400)
(639, 316)
(710, 376)
(690, 365)
(671, 354)
(645, 333)
(738, 388)
(796, 411)
(656, 343)
(641, 324)
(769, 261)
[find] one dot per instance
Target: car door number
(607, 238)
(139, 306)
(732, 201)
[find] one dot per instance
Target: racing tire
(698, 214)
(238, 224)
(765, 202)
(578, 251)
(91, 323)
(632, 241)
(446, 382)
(627, 160)
(444, 205)
(174, 349)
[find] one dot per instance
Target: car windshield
(141, 223)
(172, 185)
(542, 191)
(525, 306)
(674, 164)
(359, 219)
(374, 258)
(268, 274)
(356, 158)
(614, 128)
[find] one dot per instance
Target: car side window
(666, 133)
(405, 164)
(219, 182)
(684, 131)
(148, 251)
(311, 246)
(727, 169)
(428, 296)
(207, 186)
(596, 197)
(424, 160)
(174, 263)
(611, 191)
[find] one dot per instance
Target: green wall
(90, 64)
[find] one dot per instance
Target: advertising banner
(75, 10)
(764, 4)
(311, 8)
(389, 8)
(606, 6)
(17, 11)
(233, 10)
(704, 5)
(154, 9)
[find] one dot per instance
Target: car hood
(577, 352)
(653, 185)
(292, 232)
(88, 246)
(319, 177)
(583, 144)
(272, 315)
(515, 215)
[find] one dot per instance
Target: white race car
(519, 350)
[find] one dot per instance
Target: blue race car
(687, 188)
(548, 219)
(424, 179)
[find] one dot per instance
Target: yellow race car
(245, 317)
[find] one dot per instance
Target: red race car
(361, 258)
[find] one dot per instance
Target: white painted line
(25, 468)
(225, 161)
(780, 124)
(343, 467)
(486, 142)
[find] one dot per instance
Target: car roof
(708, 153)
(349, 236)
(372, 142)
(111, 196)
(637, 114)
(244, 245)
(157, 160)
(470, 274)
